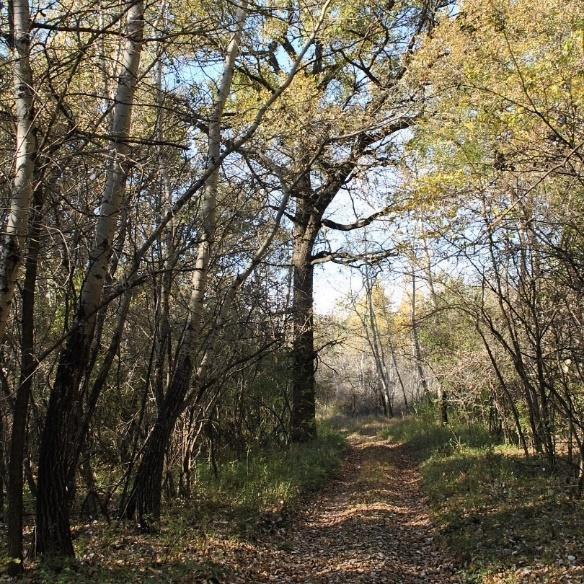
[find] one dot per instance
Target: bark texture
(307, 225)
(62, 435)
(21, 402)
(16, 229)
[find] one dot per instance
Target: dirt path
(369, 525)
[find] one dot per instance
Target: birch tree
(144, 499)
(61, 440)
(16, 229)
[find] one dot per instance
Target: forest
(292, 291)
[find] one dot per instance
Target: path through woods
(370, 524)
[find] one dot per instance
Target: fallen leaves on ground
(370, 524)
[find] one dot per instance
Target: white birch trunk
(143, 503)
(15, 232)
(416, 349)
(209, 207)
(116, 173)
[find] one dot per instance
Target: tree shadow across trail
(368, 525)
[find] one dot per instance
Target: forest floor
(369, 523)
(398, 502)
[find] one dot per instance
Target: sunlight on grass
(501, 514)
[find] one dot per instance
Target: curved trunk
(60, 442)
(144, 500)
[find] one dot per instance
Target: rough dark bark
(21, 402)
(57, 452)
(302, 422)
(62, 435)
(144, 501)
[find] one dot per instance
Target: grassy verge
(200, 539)
(263, 485)
(504, 516)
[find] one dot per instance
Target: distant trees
(494, 181)
(376, 360)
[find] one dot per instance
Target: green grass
(426, 436)
(270, 481)
(502, 515)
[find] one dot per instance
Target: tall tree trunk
(144, 500)
(16, 229)
(379, 355)
(21, 403)
(302, 422)
(442, 393)
(416, 340)
(60, 444)
(398, 375)
(162, 329)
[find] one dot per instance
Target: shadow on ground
(502, 512)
